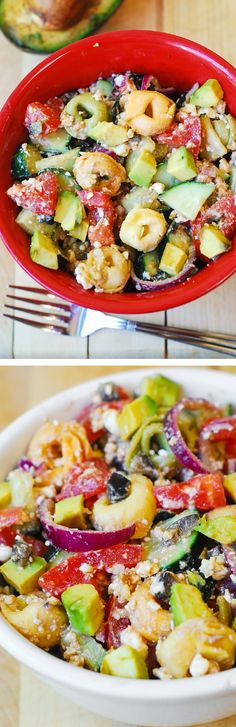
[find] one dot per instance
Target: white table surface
(206, 21)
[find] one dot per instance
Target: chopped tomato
(115, 623)
(222, 213)
(39, 547)
(7, 536)
(87, 478)
(69, 572)
(38, 194)
(101, 216)
(10, 516)
(43, 118)
(186, 133)
(205, 492)
(86, 415)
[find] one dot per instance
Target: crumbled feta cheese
(86, 568)
(214, 567)
(158, 187)
(5, 553)
(110, 422)
(132, 638)
(198, 666)
(162, 673)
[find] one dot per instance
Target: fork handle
(201, 340)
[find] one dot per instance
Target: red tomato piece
(68, 573)
(223, 213)
(205, 492)
(115, 623)
(86, 414)
(186, 133)
(43, 118)
(101, 216)
(88, 478)
(39, 547)
(38, 194)
(10, 516)
(7, 536)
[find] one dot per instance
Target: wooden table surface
(25, 701)
(211, 22)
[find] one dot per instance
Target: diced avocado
(80, 231)
(108, 133)
(31, 222)
(68, 210)
(212, 241)
(222, 129)
(162, 390)
(59, 161)
(125, 662)
(179, 236)
(208, 95)
(84, 608)
(23, 579)
(211, 146)
(64, 24)
(70, 512)
(186, 602)
(181, 164)
(5, 494)
(147, 264)
(229, 483)
(172, 260)
(24, 161)
(162, 175)
(187, 198)
(54, 143)
(232, 131)
(141, 167)
(133, 414)
(104, 86)
(222, 529)
(140, 197)
(43, 251)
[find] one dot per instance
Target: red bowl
(176, 62)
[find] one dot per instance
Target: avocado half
(44, 26)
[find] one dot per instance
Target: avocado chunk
(187, 198)
(23, 163)
(181, 164)
(84, 608)
(208, 95)
(161, 389)
(212, 241)
(23, 579)
(79, 232)
(141, 167)
(211, 147)
(229, 483)
(70, 512)
(54, 143)
(186, 602)
(222, 528)
(164, 177)
(172, 260)
(43, 251)
(31, 222)
(125, 662)
(179, 236)
(5, 494)
(222, 129)
(108, 133)
(59, 161)
(69, 210)
(232, 131)
(41, 34)
(133, 414)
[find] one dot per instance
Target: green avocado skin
(45, 41)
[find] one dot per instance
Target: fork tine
(33, 289)
(32, 311)
(35, 324)
(36, 301)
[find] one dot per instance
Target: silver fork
(53, 315)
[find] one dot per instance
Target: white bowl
(174, 703)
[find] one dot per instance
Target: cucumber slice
(59, 161)
(66, 182)
(24, 161)
(163, 176)
(187, 198)
(56, 142)
(168, 552)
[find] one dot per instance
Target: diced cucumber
(221, 127)
(24, 161)
(163, 176)
(68, 210)
(66, 181)
(140, 197)
(105, 87)
(147, 265)
(187, 198)
(31, 222)
(179, 236)
(43, 251)
(56, 142)
(212, 147)
(59, 161)
(168, 552)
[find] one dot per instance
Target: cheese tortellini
(149, 112)
(106, 268)
(98, 171)
(66, 441)
(143, 229)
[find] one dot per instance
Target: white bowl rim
(52, 668)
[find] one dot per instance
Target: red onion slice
(188, 269)
(75, 540)
(146, 82)
(174, 437)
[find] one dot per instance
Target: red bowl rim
(130, 303)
